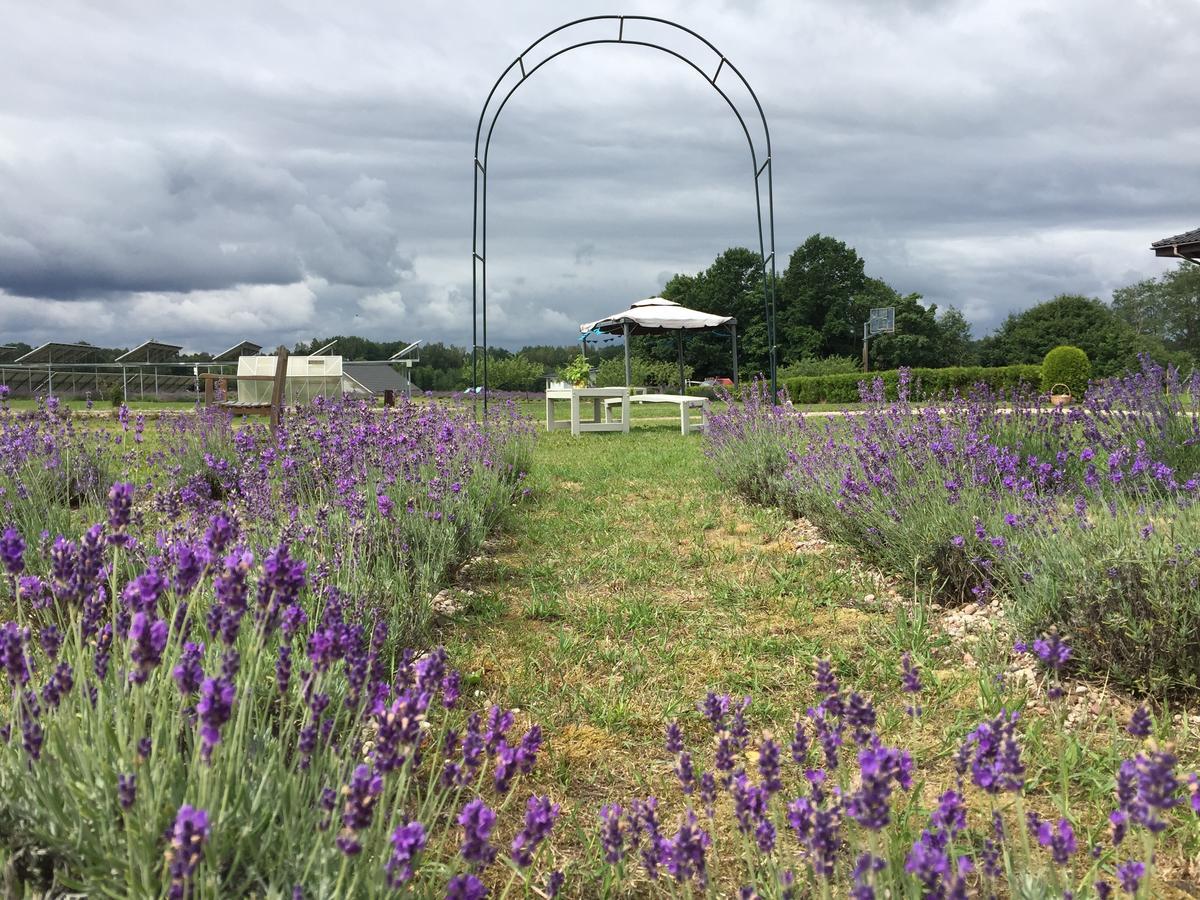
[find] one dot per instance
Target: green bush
(646, 373)
(826, 365)
(1069, 366)
(926, 384)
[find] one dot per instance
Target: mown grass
(636, 582)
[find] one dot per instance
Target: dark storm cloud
(277, 171)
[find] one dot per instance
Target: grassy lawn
(634, 583)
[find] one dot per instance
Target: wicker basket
(1057, 399)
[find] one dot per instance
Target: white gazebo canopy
(659, 316)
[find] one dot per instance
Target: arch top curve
(525, 69)
(525, 65)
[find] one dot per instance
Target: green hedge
(926, 383)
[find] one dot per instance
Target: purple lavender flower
(715, 708)
(554, 883)
(451, 689)
(686, 852)
(685, 772)
(51, 640)
(819, 830)
(407, 841)
(147, 640)
(12, 653)
(120, 505)
(769, 753)
(189, 673)
(800, 744)
(994, 755)
(32, 733)
(187, 839)
(1140, 723)
(103, 651)
(359, 807)
(498, 723)
(881, 767)
(1052, 651)
(465, 887)
(929, 862)
(283, 668)
(540, 815)
(12, 552)
(1059, 840)
(59, 685)
(860, 715)
(1157, 787)
(865, 869)
(674, 737)
(612, 839)
(477, 822)
(708, 793)
(213, 709)
(127, 790)
(527, 751)
(1130, 874)
(950, 815)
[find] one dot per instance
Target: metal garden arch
(766, 236)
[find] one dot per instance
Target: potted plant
(577, 371)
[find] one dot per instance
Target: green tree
(731, 286)
(957, 346)
(1084, 322)
(822, 295)
(1166, 309)
(917, 340)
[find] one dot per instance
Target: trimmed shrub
(1069, 366)
(926, 384)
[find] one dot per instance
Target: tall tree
(1167, 308)
(957, 347)
(821, 300)
(917, 340)
(1084, 322)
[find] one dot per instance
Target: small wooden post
(277, 388)
(389, 397)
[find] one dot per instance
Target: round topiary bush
(1069, 366)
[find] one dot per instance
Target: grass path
(632, 585)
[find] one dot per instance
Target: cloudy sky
(208, 172)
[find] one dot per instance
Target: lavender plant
(843, 817)
(1083, 519)
(220, 724)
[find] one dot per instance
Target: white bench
(686, 405)
(608, 396)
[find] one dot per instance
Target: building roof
(151, 351)
(245, 348)
(1186, 245)
(375, 378)
(54, 352)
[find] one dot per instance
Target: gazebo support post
(628, 363)
(682, 384)
(733, 335)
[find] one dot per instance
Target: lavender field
(226, 676)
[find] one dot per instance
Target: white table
(686, 405)
(598, 396)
